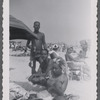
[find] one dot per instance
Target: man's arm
(44, 42)
(56, 88)
(27, 44)
(61, 85)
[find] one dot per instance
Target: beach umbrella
(18, 30)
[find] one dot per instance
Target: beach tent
(18, 30)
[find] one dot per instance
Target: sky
(61, 20)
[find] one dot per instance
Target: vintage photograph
(52, 50)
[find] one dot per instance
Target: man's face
(37, 26)
(44, 54)
(56, 70)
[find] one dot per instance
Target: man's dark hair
(37, 22)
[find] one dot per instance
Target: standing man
(37, 45)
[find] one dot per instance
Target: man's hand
(31, 64)
(51, 82)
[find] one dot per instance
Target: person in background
(54, 53)
(76, 63)
(68, 56)
(37, 45)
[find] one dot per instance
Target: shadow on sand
(29, 87)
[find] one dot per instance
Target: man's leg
(40, 62)
(34, 66)
(59, 98)
(36, 58)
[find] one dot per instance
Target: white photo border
(5, 73)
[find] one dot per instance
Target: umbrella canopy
(18, 30)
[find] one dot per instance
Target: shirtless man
(46, 62)
(57, 84)
(37, 46)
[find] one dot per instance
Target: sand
(20, 71)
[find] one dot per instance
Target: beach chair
(74, 71)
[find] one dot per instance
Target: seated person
(45, 65)
(68, 55)
(45, 61)
(54, 51)
(55, 82)
(76, 62)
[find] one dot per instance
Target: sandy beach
(20, 71)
